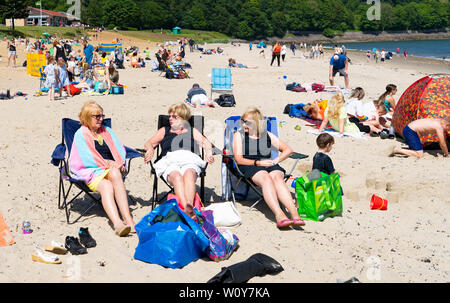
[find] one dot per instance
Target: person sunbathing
(98, 158)
(316, 109)
(178, 163)
(252, 152)
(233, 63)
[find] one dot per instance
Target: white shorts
(202, 99)
(181, 161)
(12, 53)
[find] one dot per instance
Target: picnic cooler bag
(319, 199)
(116, 90)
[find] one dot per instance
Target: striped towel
(85, 162)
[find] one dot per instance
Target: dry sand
(407, 243)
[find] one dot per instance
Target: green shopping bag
(319, 199)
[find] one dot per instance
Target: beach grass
(167, 35)
(37, 31)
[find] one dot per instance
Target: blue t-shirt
(89, 53)
(338, 64)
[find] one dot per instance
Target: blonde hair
(88, 109)
(334, 106)
(257, 117)
(181, 110)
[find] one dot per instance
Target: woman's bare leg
(189, 178)
(120, 194)
(284, 195)
(263, 179)
(106, 191)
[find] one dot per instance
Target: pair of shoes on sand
(54, 248)
(74, 246)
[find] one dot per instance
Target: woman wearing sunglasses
(178, 163)
(98, 158)
(252, 148)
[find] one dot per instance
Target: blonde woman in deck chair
(252, 152)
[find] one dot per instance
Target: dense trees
(251, 19)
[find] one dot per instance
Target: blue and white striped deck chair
(221, 81)
(234, 183)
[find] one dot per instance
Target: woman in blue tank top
(252, 149)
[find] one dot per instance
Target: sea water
(436, 49)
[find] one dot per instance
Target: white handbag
(225, 214)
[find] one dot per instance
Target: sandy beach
(407, 243)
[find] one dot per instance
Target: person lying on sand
(423, 127)
(233, 63)
(316, 109)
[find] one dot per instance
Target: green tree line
(253, 19)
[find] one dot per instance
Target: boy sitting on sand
(423, 127)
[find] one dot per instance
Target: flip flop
(56, 248)
(123, 231)
(38, 256)
(298, 222)
(285, 223)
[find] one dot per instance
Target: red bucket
(378, 203)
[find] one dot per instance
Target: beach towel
(85, 162)
(334, 133)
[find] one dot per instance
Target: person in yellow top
(336, 114)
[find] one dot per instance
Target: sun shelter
(108, 48)
(176, 30)
(428, 97)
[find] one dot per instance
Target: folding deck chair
(69, 127)
(232, 177)
(163, 121)
(221, 81)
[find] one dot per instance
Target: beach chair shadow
(60, 159)
(163, 121)
(221, 81)
(234, 183)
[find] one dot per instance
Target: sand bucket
(378, 203)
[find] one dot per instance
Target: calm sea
(437, 49)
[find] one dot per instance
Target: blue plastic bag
(170, 244)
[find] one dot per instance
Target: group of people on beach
(353, 116)
(93, 68)
(178, 162)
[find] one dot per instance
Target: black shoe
(85, 238)
(374, 134)
(384, 134)
(74, 246)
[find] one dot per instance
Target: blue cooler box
(116, 90)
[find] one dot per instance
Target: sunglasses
(174, 117)
(246, 122)
(98, 117)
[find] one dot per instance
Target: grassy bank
(37, 31)
(167, 35)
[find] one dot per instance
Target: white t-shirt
(355, 108)
(283, 50)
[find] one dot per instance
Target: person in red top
(276, 53)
